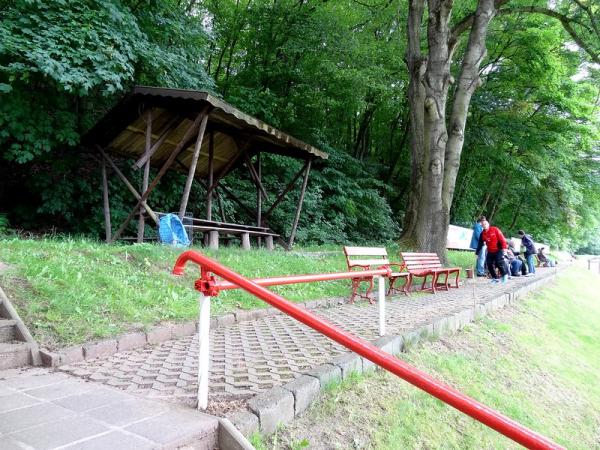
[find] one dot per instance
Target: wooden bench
(214, 229)
(423, 265)
(371, 258)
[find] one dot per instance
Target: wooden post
(254, 175)
(287, 189)
(123, 178)
(107, 228)
(221, 206)
(171, 126)
(299, 207)
(209, 182)
(213, 240)
(246, 241)
(258, 197)
(141, 222)
(188, 183)
(194, 125)
(269, 242)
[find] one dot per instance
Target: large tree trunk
(435, 152)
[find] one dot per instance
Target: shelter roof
(122, 131)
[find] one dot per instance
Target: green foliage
(541, 122)
(329, 73)
(537, 357)
(3, 223)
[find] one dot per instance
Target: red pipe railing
(209, 286)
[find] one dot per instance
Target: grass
(71, 290)
(538, 363)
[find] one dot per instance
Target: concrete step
(40, 409)
(7, 330)
(14, 354)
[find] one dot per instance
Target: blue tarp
(171, 231)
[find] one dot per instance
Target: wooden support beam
(221, 206)
(237, 200)
(192, 170)
(142, 221)
(107, 227)
(255, 177)
(124, 179)
(258, 172)
(229, 165)
(188, 133)
(209, 181)
(173, 125)
(299, 207)
(282, 195)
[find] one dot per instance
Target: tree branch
(564, 20)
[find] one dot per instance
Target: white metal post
(381, 301)
(203, 351)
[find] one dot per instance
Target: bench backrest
(366, 257)
(421, 261)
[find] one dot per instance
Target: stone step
(7, 330)
(14, 355)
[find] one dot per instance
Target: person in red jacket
(496, 249)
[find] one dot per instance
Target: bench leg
(408, 285)
(404, 288)
(269, 242)
(368, 293)
(246, 241)
(213, 240)
(355, 285)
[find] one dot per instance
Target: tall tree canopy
(433, 111)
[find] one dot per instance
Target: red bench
(424, 265)
(370, 258)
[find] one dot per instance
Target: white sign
(459, 238)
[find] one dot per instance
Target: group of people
(501, 258)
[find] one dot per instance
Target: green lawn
(537, 362)
(73, 290)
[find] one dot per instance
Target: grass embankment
(73, 290)
(537, 362)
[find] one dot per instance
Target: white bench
(371, 258)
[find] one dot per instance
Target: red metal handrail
(208, 285)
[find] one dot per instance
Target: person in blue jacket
(530, 251)
(480, 261)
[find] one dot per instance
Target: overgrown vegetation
(74, 290)
(332, 74)
(536, 362)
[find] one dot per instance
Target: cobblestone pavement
(251, 357)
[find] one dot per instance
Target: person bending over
(527, 242)
(493, 238)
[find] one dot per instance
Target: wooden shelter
(194, 132)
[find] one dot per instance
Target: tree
(438, 128)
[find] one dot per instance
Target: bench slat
(368, 262)
(229, 230)
(365, 251)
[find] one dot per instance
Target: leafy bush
(3, 223)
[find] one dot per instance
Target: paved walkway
(40, 409)
(251, 357)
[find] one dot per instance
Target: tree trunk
(435, 154)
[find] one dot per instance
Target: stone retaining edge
(276, 407)
(160, 333)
